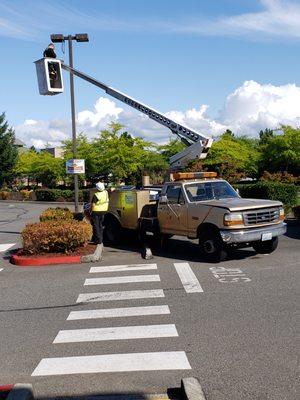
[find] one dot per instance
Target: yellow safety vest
(102, 203)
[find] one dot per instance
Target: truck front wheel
(212, 246)
(266, 247)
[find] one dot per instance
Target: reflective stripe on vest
(102, 203)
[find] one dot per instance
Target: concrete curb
(67, 203)
(22, 261)
(96, 256)
(21, 391)
(191, 389)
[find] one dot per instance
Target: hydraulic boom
(198, 144)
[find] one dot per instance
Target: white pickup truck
(204, 208)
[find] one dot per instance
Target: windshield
(209, 191)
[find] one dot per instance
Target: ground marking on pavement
(6, 246)
(118, 312)
(173, 360)
(122, 279)
(1, 269)
(126, 267)
(123, 295)
(116, 333)
(229, 275)
(188, 278)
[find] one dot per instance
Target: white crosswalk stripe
(116, 333)
(188, 278)
(6, 246)
(172, 360)
(122, 295)
(120, 268)
(122, 279)
(125, 362)
(119, 312)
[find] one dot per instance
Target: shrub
(282, 177)
(283, 192)
(25, 194)
(4, 195)
(47, 194)
(55, 236)
(58, 213)
(296, 211)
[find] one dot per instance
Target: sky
(212, 65)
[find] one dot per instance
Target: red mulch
(81, 251)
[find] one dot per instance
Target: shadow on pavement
(293, 231)
(172, 394)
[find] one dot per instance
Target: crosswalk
(98, 304)
(6, 246)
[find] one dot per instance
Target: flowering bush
(55, 236)
(25, 194)
(55, 214)
(4, 195)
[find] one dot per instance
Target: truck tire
(266, 247)
(212, 246)
(112, 230)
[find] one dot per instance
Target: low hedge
(58, 213)
(55, 236)
(286, 193)
(61, 195)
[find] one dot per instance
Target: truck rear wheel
(266, 247)
(112, 231)
(212, 246)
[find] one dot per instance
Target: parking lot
(127, 325)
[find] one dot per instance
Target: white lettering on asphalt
(122, 279)
(126, 267)
(188, 278)
(123, 295)
(1, 269)
(116, 333)
(173, 360)
(229, 275)
(118, 312)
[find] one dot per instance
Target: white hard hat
(100, 186)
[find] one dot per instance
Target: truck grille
(264, 216)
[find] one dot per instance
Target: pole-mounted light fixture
(79, 37)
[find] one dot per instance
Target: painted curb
(21, 391)
(191, 389)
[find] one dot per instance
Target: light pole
(59, 38)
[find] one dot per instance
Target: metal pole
(76, 191)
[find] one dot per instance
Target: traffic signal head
(49, 76)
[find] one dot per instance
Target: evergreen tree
(8, 151)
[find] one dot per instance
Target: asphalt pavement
(127, 325)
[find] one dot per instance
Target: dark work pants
(97, 223)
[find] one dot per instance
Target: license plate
(266, 236)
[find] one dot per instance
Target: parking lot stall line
(121, 295)
(173, 360)
(122, 279)
(188, 278)
(6, 246)
(119, 312)
(116, 333)
(120, 268)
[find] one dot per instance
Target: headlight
(281, 214)
(233, 219)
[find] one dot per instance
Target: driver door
(173, 215)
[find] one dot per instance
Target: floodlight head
(57, 38)
(81, 37)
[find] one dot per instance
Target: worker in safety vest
(100, 203)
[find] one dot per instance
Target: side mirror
(163, 199)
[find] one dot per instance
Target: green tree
(265, 136)
(233, 157)
(8, 151)
(170, 149)
(282, 152)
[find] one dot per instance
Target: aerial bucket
(49, 76)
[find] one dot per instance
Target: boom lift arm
(197, 144)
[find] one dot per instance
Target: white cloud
(250, 108)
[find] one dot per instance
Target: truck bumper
(251, 235)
